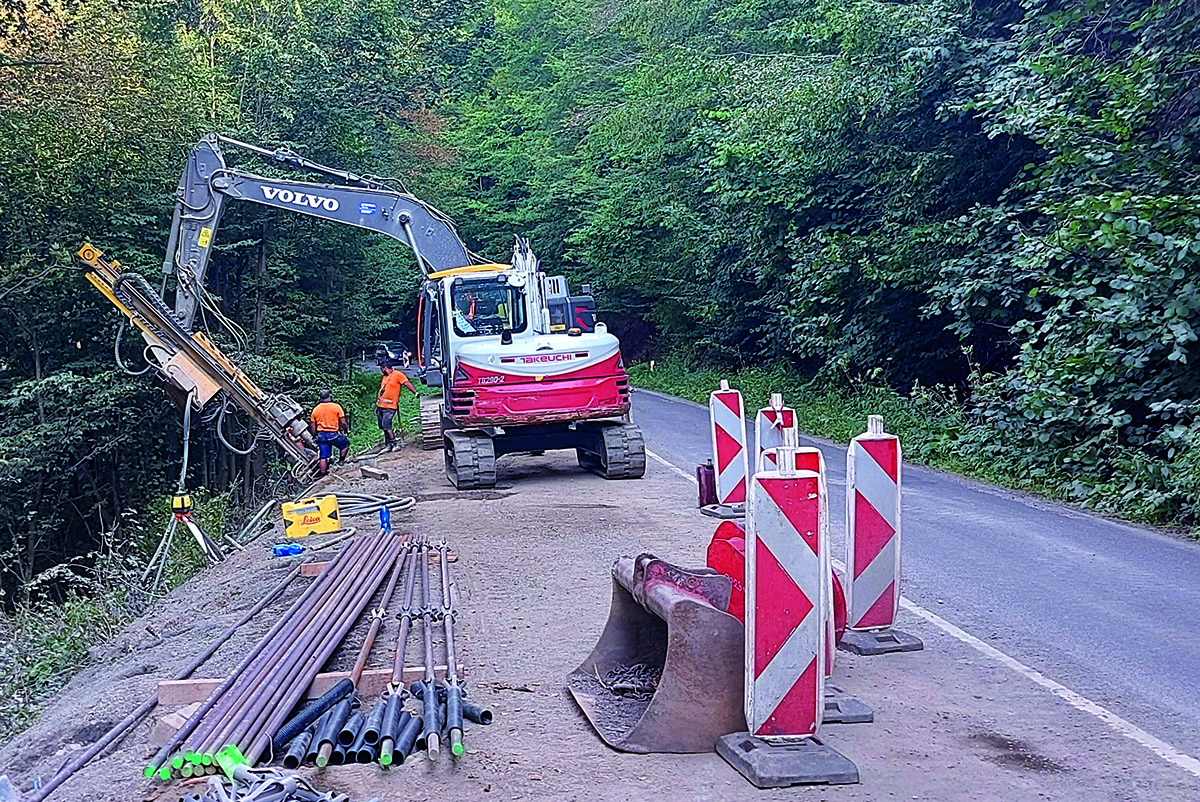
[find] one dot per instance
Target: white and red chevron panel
(873, 528)
(769, 426)
(811, 459)
(787, 570)
(728, 424)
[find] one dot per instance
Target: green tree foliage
(99, 106)
(999, 197)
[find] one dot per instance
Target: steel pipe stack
(254, 701)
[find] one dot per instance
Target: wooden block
(372, 683)
(372, 473)
(169, 724)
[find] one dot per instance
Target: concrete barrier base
(778, 764)
(882, 642)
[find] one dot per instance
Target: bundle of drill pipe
(247, 708)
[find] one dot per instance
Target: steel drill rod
(288, 685)
(79, 761)
(295, 624)
(289, 652)
(188, 731)
(454, 700)
(269, 674)
(260, 742)
(303, 674)
(377, 616)
(406, 618)
(195, 718)
(431, 733)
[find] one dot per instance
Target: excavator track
(431, 423)
(470, 460)
(614, 451)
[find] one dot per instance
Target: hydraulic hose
(311, 713)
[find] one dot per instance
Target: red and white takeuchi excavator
(524, 368)
(522, 364)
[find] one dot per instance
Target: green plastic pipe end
(457, 749)
(164, 773)
(187, 771)
(206, 759)
(148, 772)
(230, 759)
(177, 762)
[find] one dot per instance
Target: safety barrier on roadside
(787, 570)
(770, 425)
(811, 459)
(727, 554)
(728, 428)
(873, 483)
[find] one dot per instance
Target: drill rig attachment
(193, 364)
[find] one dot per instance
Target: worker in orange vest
(329, 427)
(390, 387)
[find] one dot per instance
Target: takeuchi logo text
(533, 360)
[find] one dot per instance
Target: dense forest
(996, 198)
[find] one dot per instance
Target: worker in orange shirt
(329, 427)
(388, 402)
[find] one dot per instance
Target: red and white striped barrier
(873, 542)
(811, 459)
(770, 425)
(728, 424)
(787, 582)
(873, 527)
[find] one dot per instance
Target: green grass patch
(358, 399)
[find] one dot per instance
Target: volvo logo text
(300, 199)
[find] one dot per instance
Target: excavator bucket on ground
(666, 675)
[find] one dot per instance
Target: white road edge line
(671, 466)
(1076, 700)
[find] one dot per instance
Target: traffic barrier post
(873, 494)
(727, 423)
(787, 586)
(770, 425)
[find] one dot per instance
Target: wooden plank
(372, 683)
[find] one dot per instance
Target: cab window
(486, 307)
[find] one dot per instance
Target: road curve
(1108, 609)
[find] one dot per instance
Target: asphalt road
(1110, 610)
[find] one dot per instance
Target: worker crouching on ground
(329, 427)
(390, 387)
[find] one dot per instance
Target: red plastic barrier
(727, 554)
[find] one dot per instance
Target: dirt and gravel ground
(534, 590)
